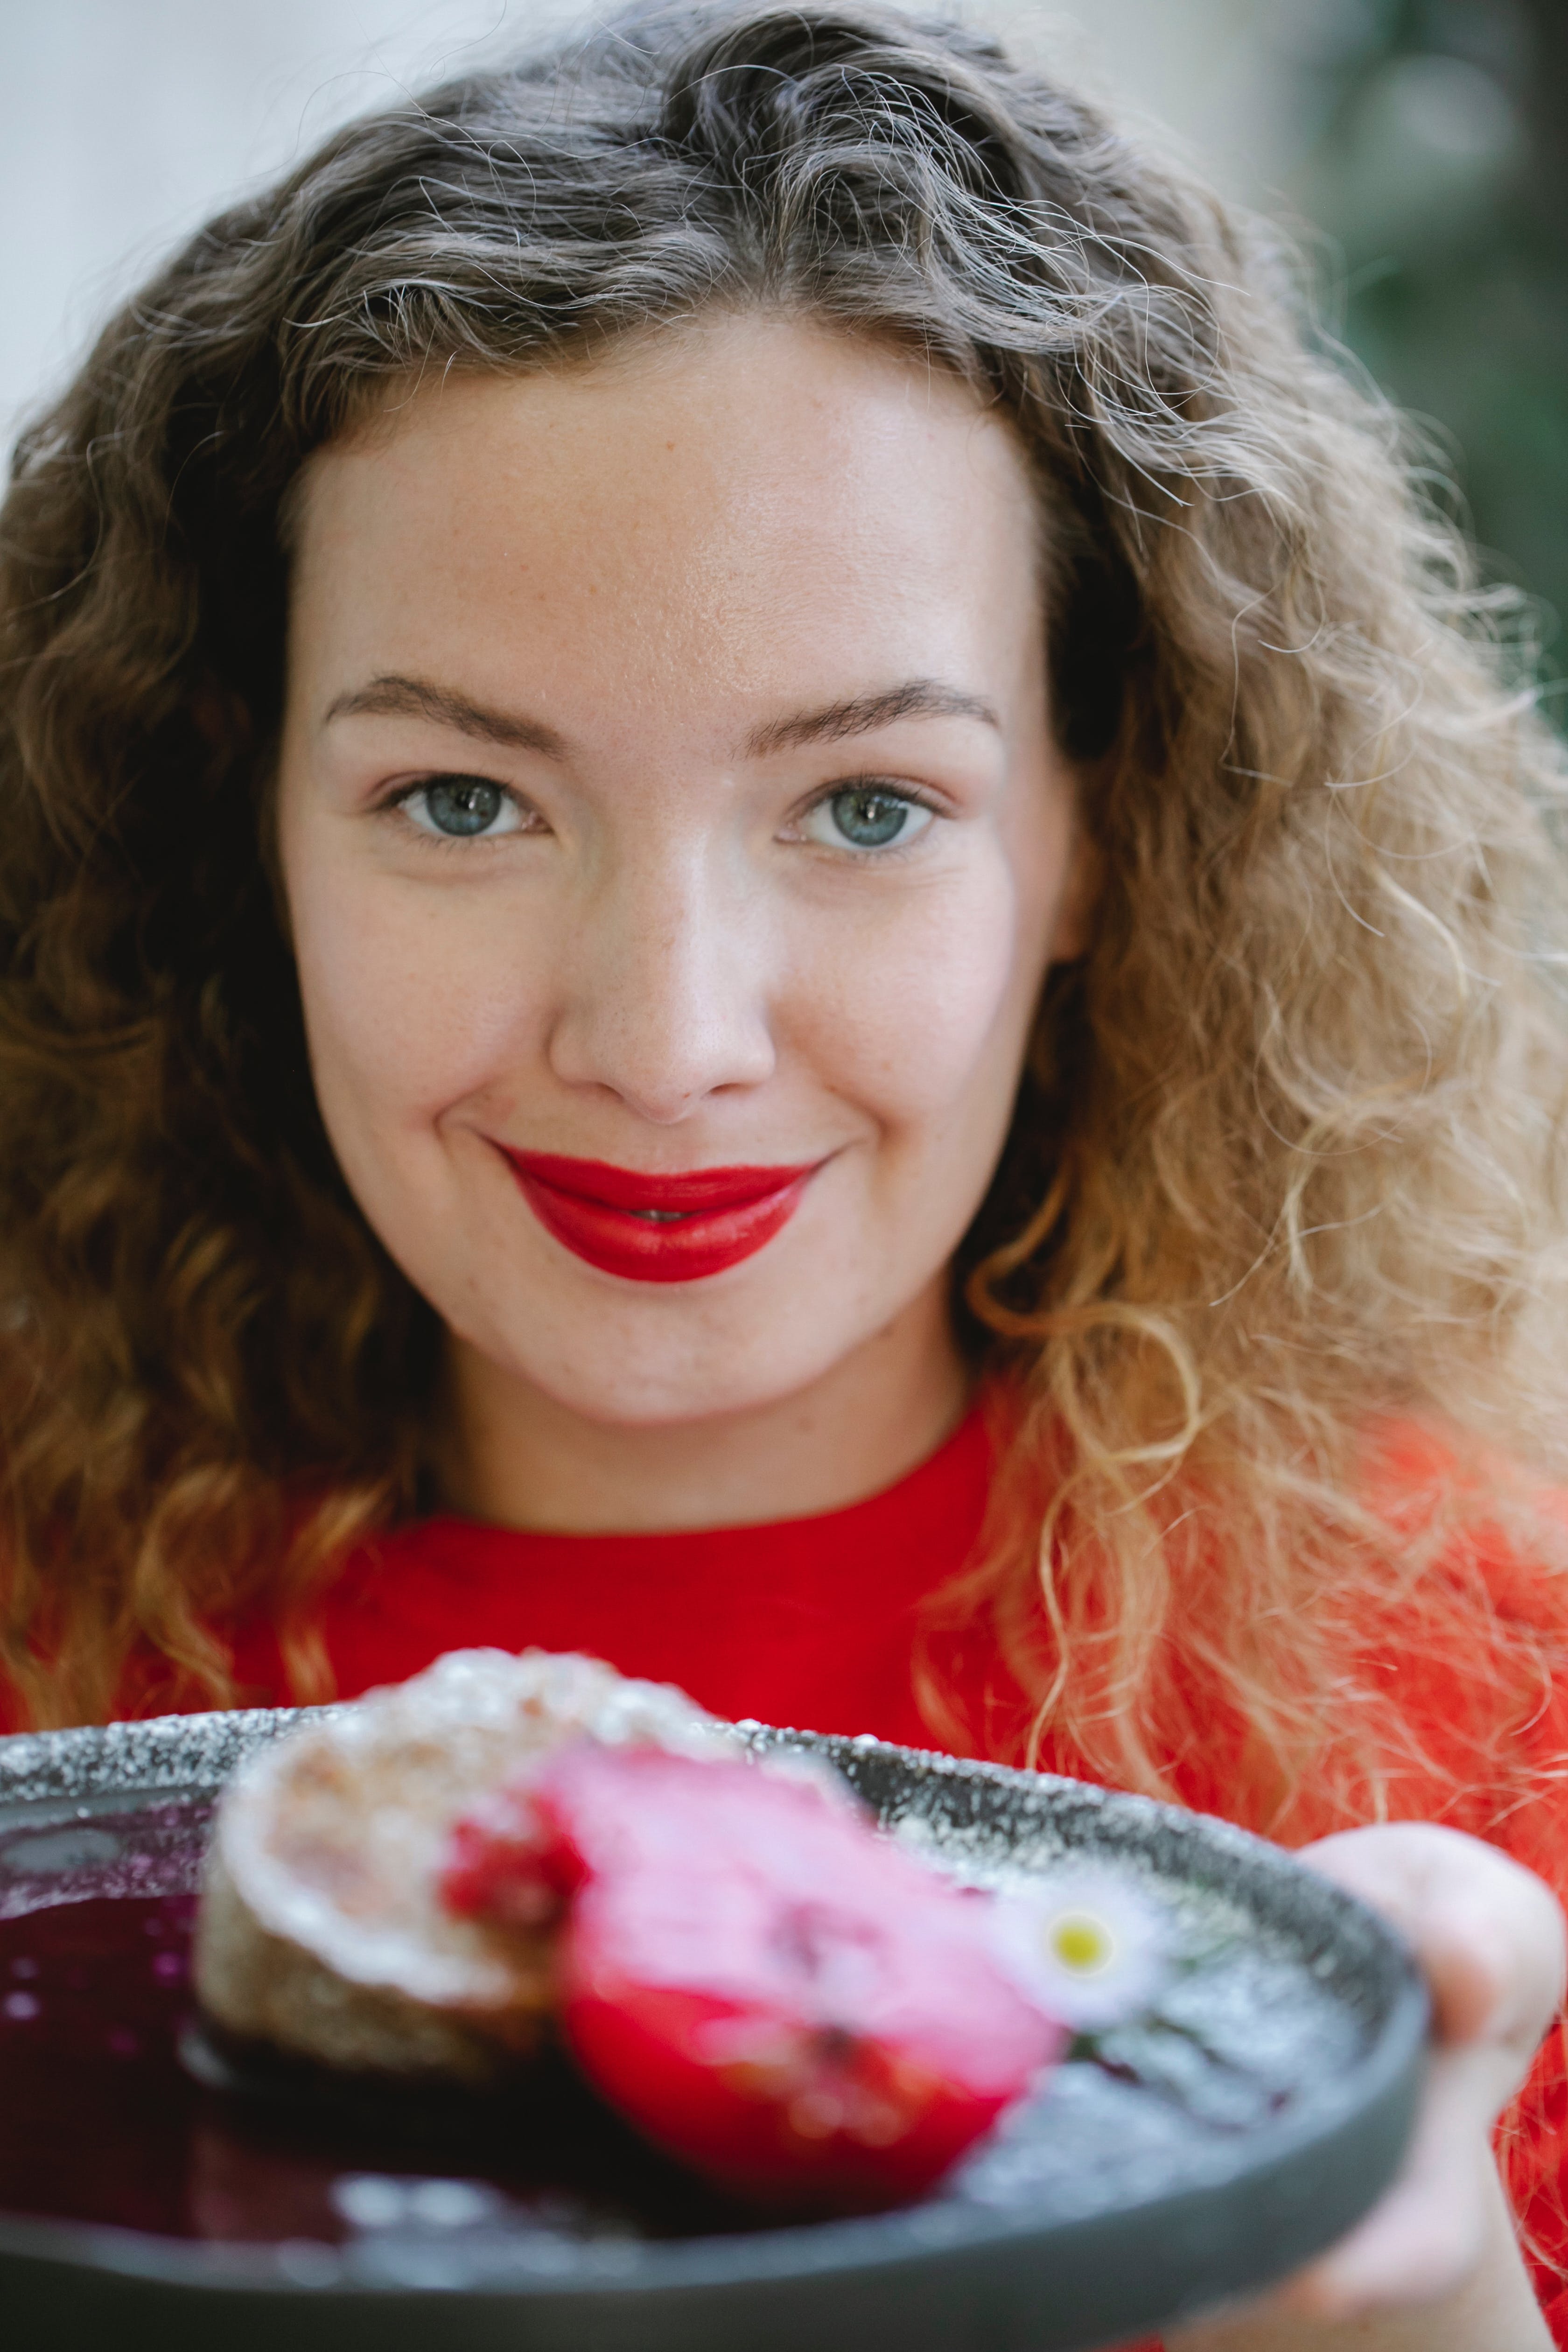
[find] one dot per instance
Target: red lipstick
(658, 1228)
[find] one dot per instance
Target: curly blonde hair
(1282, 1179)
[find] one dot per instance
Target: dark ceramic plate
(1200, 2157)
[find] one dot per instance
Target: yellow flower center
(1082, 1943)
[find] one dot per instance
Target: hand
(1439, 2247)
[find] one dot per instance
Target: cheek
(922, 1018)
(410, 1005)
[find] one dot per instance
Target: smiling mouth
(647, 1227)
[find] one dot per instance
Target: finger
(1488, 1933)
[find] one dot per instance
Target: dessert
(431, 1884)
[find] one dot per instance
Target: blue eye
(462, 808)
(866, 816)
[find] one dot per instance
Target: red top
(805, 1623)
(813, 1624)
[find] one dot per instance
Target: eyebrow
(414, 697)
(861, 714)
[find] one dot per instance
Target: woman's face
(666, 792)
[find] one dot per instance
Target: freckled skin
(653, 559)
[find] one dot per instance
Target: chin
(669, 1397)
(625, 1378)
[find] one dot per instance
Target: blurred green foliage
(1438, 166)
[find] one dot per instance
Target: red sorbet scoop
(752, 1976)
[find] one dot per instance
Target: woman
(771, 908)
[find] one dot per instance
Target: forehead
(698, 497)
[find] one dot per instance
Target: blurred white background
(123, 122)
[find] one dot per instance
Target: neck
(518, 1458)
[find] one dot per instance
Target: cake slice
(321, 1934)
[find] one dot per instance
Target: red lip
(658, 1228)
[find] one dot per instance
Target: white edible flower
(1084, 1944)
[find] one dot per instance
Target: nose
(664, 999)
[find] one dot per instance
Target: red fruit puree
(101, 2123)
(760, 1983)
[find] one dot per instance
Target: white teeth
(662, 1216)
